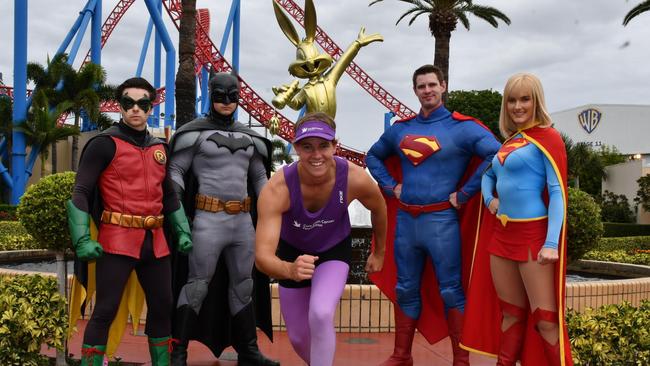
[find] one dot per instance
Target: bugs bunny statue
(319, 92)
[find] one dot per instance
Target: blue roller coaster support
(387, 117)
(205, 94)
(20, 100)
(145, 47)
(170, 60)
(154, 121)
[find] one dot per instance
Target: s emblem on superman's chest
(231, 142)
(509, 147)
(418, 148)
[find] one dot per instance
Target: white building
(626, 127)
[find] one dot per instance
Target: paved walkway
(352, 349)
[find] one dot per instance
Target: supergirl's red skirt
(515, 239)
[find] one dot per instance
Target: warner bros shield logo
(589, 119)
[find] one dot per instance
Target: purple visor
(314, 129)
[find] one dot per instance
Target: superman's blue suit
(434, 153)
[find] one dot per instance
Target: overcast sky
(578, 48)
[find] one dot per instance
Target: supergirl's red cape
(482, 312)
(432, 323)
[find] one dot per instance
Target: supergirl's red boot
(513, 337)
(404, 332)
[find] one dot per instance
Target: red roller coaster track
(355, 72)
(208, 54)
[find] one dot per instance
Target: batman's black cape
(95, 206)
(214, 322)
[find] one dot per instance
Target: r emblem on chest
(418, 148)
(160, 157)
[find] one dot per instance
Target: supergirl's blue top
(520, 173)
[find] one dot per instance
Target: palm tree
(641, 8)
(444, 15)
(583, 162)
(185, 78)
(41, 127)
(81, 89)
(47, 80)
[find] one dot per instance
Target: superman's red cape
(482, 312)
(432, 323)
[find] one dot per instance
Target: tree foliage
(41, 127)
(42, 210)
(615, 208)
(587, 166)
(444, 16)
(584, 228)
(643, 193)
(33, 314)
(484, 105)
(637, 10)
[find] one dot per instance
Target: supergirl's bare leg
(538, 280)
(509, 286)
(512, 300)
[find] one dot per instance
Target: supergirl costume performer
(529, 175)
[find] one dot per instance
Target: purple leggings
(308, 313)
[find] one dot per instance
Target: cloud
(574, 47)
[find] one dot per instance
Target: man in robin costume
(218, 166)
(430, 178)
(123, 185)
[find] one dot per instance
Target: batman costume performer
(218, 166)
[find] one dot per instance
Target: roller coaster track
(355, 72)
(208, 54)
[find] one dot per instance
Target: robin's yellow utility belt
(132, 221)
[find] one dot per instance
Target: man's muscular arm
(273, 201)
(379, 151)
(484, 145)
(181, 161)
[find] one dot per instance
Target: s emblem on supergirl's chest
(509, 147)
(418, 148)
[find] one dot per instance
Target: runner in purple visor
(303, 235)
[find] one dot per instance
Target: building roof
(623, 126)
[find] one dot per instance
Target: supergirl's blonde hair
(530, 82)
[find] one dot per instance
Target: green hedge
(615, 229)
(7, 212)
(611, 335)
(633, 249)
(13, 236)
(33, 314)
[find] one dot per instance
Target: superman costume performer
(432, 156)
(529, 174)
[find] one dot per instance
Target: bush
(33, 313)
(611, 335)
(7, 212)
(615, 208)
(633, 250)
(584, 227)
(615, 229)
(13, 236)
(42, 210)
